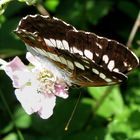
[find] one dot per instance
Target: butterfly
(88, 59)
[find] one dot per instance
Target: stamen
(45, 74)
(47, 81)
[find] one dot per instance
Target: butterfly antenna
(72, 114)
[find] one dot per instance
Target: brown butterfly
(88, 59)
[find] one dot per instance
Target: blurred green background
(103, 113)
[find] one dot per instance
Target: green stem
(11, 116)
(102, 99)
(97, 106)
(134, 31)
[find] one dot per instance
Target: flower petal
(16, 64)
(60, 90)
(29, 99)
(32, 59)
(15, 70)
(47, 106)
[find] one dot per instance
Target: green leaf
(97, 9)
(133, 119)
(10, 46)
(5, 53)
(11, 136)
(29, 2)
(7, 128)
(51, 4)
(22, 119)
(96, 92)
(3, 5)
(2, 20)
(125, 6)
(113, 102)
(136, 135)
(120, 130)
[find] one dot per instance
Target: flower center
(45, 75)
(47, 81)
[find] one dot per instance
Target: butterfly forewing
(89, 60)
(46, 27)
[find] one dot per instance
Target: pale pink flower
(36, 86)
